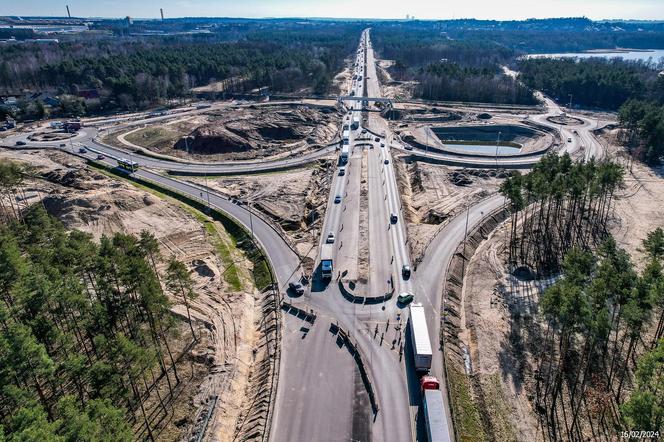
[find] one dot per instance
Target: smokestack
(68, 13)
(162, 13)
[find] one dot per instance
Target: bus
(129, 165)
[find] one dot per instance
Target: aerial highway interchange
(322, 394)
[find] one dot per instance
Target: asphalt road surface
(321, 394)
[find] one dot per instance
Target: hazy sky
(498, 9)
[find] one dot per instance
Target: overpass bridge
(367, 99)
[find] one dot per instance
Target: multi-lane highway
(321, 394)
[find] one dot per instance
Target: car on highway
(408, 147)
(394, 218)
(330, 238)
(405, 298)
(100, 157)
(62, 145)
(364, 131)
(337, 199)
(569, 139)
(342, 171)
(382, 144)
(405, 271)
(21, 143)
(376, 139)
(386, 162)
(82, 150)
(296, 287)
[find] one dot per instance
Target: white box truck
(434, 416)
(345, 154)
(419, 336)
(327, 261)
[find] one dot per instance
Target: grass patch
(497, 408)
(240, 238)
(467, 419)
(230, 275)
(152, 137)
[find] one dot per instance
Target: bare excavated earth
(498, 320)
(492, 311)
(227, 320)
(242, 132)
(51, 135)
(391, 88)
(257, 129)
(293, 201)
(433, 195)
(639, 206)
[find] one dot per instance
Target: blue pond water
(483, 148)
(654, 54)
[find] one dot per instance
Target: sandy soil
(639, 206)
(342, 82)
(222, 362)
(49, 134)
(391, 88)
(500, 371)
(498, 314)
(432, 195)
(294, 201)
(242, 132)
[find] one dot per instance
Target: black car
(296, 287)
(405, 271)
(405, 298)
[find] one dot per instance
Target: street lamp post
(465, 236)
(207, 190)
(497, 145)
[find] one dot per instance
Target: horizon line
(157, 18)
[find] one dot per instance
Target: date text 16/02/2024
(636, 434)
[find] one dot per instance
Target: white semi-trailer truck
(419, 336)
(345, 154)
(355, 124)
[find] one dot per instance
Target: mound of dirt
(432, 195)
(80, 179)
(258, 129)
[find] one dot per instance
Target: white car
(330, 238)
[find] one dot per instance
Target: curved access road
(87, 138)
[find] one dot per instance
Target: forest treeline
(599, 349)
(644, 128)
(558, 206)
(566, 34)
(135, 73)
(635, 88)
(86, 335)
(453, 70)
(593, 82)
(600, 367)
